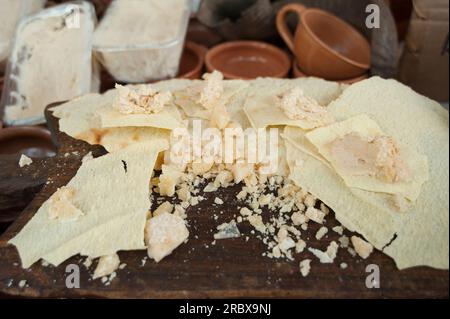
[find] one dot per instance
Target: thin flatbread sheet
(261, 106)
(192, 109)
(297, 137)
(169, 118)
(79, 120)
(352, 212)
(113, 194)
(414, 120)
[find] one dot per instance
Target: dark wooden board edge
(233, 268)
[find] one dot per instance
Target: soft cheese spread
(378, 156)
(140, 100)
(297, 106)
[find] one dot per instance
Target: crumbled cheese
(241, 171)
(106, 265)
(300, 246)
(299, 218)
(24, 160)
(218, 201)
(219, 117)
(201, 168)
(315, 215)
(362, 248)
(343, 265)
(321, 232)
(310, 201)
(87, 262)
(183, 193)
(377, 156)
(328, 256)
(212, 89)
(245, 211)
(168, 180)
(257, 223)
(22, 283)
(164, 208)
(324, 209)
(305, 267)
(344, 241)
(164, 233)
(297, 106)
(141, 99)
(338, 229)
(210, 188)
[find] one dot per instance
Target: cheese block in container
(141, 41)
(11, 12)
(51, 61)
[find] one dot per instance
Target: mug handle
(282, 27)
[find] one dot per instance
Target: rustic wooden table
(198, 269)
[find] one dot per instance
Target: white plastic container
(11, 12)
(142, 40)
(51, 61)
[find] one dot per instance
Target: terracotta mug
(325, 46)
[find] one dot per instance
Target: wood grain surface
(199, 269)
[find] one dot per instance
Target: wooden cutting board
(199, 269)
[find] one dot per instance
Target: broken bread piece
(164, 233)
(113, 194)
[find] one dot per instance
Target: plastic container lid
(44, 72)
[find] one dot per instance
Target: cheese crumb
(257, 223)
(164, 233)
(338, 229)
(315, 215)
(212, 89)
(140, 99)
(321, 232)
(218, 201)
(164, 208)
(106, 265)
(362, 248)
(24, 160)
(22, 283)
(328, 256)
(300, 246)
(305, 267)
(297, 106)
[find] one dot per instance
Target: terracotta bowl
(297, 73)
(248, 60)
(192, 61)
(325, 45)
(33, 141)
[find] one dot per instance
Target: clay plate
(248, 60)
(297, 73)
(33, 141)
(192, 61)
